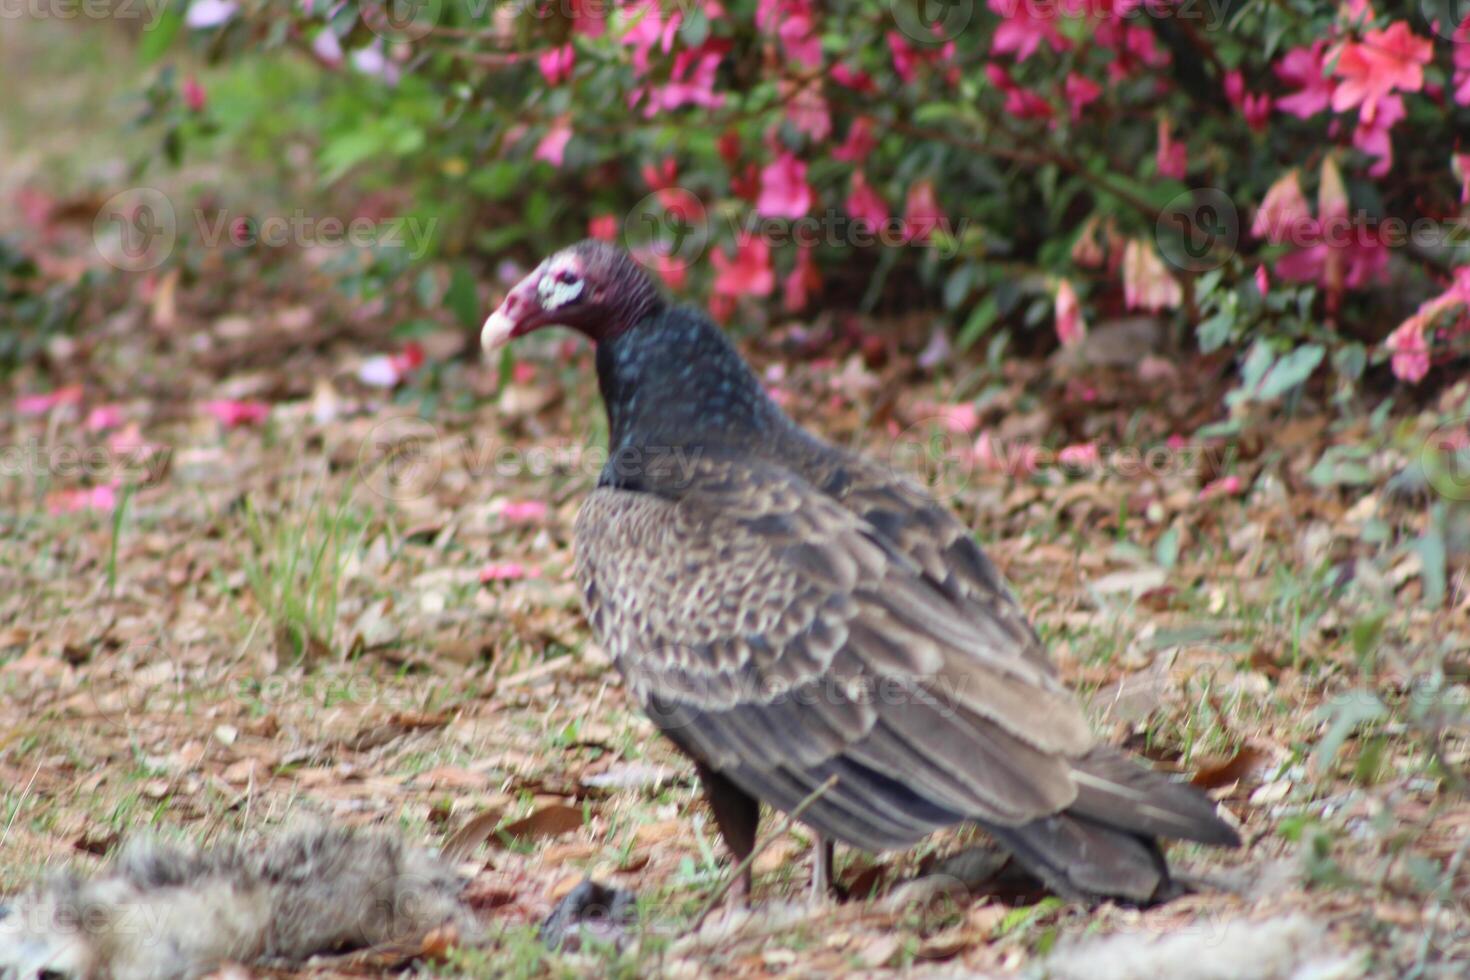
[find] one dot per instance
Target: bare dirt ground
(256, 587)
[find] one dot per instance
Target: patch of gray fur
(1294, 947)
(164, 911)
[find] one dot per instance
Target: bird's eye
(566, 277)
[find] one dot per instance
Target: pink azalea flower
(589, 17)
(1384, 61)
(1373, 137)
(1024, 26)
(102, 498)
(204, 14)
(852, 78)
(1304, 69)
(859, 142)
(905, 58)
(232, 414)
(784, 191)
(1410, 349)
(603, 227)
(794, 23)
(647, 29)
(922, 214)
(523, 373)
(864, 204)
(749, 273)
(103, 417)
(1172, 159)
(808, 113)
(1019, 459)
(801, 282)
(1460, 82)
(1147, 285)
(328, 48)
(1071, 327)
(194, 97)
(553, 146)
(1263, 281)
(41, 404)
(507, 571)
(556, 64)
(1020, 102)
(1460, 166)
(691, 80)
(523, 511)
(1080, 92)
(1328, 250)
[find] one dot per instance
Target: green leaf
(979, 321)
(1292, 370)
(1353, 709)
(462, 299)
(159, 35)
(1166, 551)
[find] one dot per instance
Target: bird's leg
(738, 816)
(822, 853)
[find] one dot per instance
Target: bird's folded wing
(780, 633)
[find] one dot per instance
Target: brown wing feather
(761, 621)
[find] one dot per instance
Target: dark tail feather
(1114, 790)
(1081, 860)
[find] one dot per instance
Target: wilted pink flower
(1263, 281)
(905, 58)
(1410, 349)
(1020, 102)
(41, 404)
(523, 511)
(801, 282)
(522, 373)
(328, 48)
(553, 146)
(859, 142)
(1080, 455)
(507, 571)
(784, 190)
(231, 413)
(1284, 213)
(922, 215)
(1070, 326)
(808, 111)
(390, 370)
(864, 204)
(603, 227)
(691, 80)
(961, 418)
(749, 273)
(103, 417)
(1226, 486)
(1384, 61)
(1172, 159)
(556, 63)
(1018, 459)
(1147, 285)
(102, 498)
(794, 22)
(647, 29)
(1080, 92)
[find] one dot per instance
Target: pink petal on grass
(41, 404)
(507, 571)
(232, 414)
(524, 511)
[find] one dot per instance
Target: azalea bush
(1283, 180)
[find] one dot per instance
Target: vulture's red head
(592, 287)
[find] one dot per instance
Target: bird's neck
(675, 382)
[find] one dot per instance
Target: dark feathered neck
(675, 381)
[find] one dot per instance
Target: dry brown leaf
(474, 832)
(549, 821)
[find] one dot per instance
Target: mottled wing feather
(759, 621)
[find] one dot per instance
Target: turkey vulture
(787, 611)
